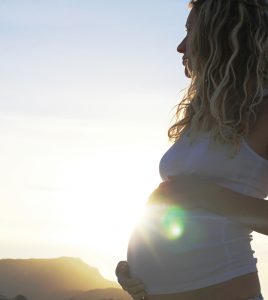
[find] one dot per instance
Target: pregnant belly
(174, 247)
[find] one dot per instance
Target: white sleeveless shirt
(210, 249)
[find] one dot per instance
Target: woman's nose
(182, 46)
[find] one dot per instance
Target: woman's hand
(182, 190)
(164, 193)
(133, 286)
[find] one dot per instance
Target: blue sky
(104, 50)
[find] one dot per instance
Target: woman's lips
(184, 60)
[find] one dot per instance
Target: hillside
(39, 279)
(101, 294)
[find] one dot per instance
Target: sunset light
(87, 96)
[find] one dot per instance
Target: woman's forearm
(248, 211)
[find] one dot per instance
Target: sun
(99, 211)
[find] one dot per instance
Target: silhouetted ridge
(38, 278)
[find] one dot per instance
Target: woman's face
(183, 47)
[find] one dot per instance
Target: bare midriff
(240, 288)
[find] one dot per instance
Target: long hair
(229, 67)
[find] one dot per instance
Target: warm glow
(69, 195)
(98, 213)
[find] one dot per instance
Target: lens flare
(173, 222)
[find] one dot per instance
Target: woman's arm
(191, 191)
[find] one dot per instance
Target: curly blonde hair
(229, 68)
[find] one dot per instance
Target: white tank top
(202, 248)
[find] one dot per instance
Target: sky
(87, 95)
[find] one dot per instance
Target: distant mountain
(96, 294)
(40, 279)
(103, 294)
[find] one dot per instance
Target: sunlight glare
(173, 222)
(100, 212)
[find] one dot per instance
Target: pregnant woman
(194, 241)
